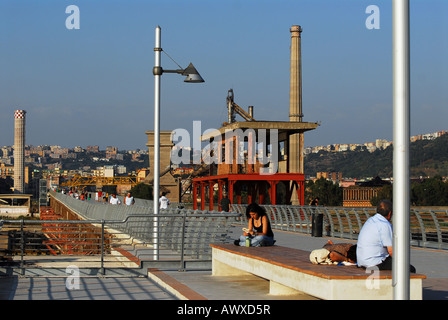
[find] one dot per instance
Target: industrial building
(282, 145)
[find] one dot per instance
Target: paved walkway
(432, 263)
(200, 285)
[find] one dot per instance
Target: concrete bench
(290, 270)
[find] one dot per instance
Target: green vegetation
(329, 194)
(429, 192)
(428, 158)
(384, 193)
(142, 191)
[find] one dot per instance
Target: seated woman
(259, 228)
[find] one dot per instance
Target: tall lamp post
(192, 76)
(401, 188)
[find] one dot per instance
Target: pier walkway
(170, 284)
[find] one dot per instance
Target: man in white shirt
(374, 247)
(164, 202)
(129, 200)
(114, 200)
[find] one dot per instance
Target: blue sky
(94, 86)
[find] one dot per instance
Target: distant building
(360, 196)
(333, 176)
(93, 149)
(347, 183)
(121, 169)
(8, 171)
(108, 171)
(141, 174)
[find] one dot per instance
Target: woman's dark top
(259, 229)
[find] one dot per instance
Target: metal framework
(257, 185)
(68, 238)
(78, 181)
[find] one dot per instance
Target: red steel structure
(235, 172)
(70, 238)
(256, 184)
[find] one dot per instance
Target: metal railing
(126, 240)
(428, 227)
(111, 240)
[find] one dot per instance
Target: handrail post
(182, 265)
(438, 229)
(102, 248)
(22, 248)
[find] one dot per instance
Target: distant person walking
(129, 200)
(314, 202)
(225, 203)
(164, 202)
(114, 200)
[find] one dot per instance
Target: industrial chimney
(19, 151)
(295, 160)
(295, 93)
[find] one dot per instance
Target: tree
(329, 194)
(430, 192)
(384, 193)
(5, 186)
(142, 191)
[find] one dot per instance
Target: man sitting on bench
(376, 239)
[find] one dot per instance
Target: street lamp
(192, 76)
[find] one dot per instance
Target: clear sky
(94, 85)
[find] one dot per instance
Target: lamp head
(192, 75)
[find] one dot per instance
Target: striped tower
(19, 151)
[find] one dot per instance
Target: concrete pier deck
(200, 284)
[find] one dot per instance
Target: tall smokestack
(295, 92)
(295, 154)
(19, 151)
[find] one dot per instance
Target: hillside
(427, 158)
